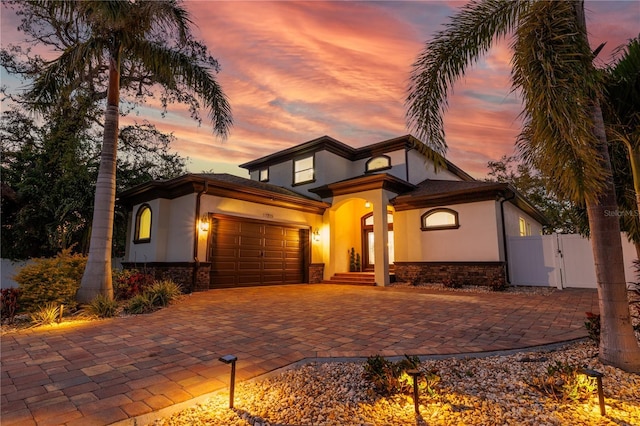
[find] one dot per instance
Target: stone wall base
(462, 273)
(316, 273)
(182, 273)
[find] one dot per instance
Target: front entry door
(368, 241)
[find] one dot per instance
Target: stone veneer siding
(464, 273)
(316, 273)
(180, 272)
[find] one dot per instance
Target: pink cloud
(294, 71)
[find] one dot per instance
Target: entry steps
(355, 278)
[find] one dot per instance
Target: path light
(415, 374)
(230, 359)
(598, 375)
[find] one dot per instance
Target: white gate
(559, 260)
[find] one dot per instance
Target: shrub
(129, 283)
(389, 378)
(382, 374)
(592, 324)
(9, 303)
(53, 280)
(566, 382)
(141, 304)
(164, 292)
(103, 307)
(47, 314)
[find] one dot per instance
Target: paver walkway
(110, 371)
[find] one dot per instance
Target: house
(309, 211)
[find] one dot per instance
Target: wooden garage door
(249, 253)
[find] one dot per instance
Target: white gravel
(494, 390)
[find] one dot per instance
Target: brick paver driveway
(114, 370)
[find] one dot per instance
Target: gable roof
(433, 193)
(223, 185)
(327, 143)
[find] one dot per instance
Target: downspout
(196, 261)
(504, 237)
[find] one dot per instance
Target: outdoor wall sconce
(598, 375)
(204, 223)
(367, 204)
(316, 235)
(230, 359)
(415, 374)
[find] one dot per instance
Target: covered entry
(247, 252)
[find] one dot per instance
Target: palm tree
(622, 117)
(563, 135)
(118, 30)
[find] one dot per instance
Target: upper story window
(263, 175)
(381, 162)
(439, 219)
(525, 227)
(143, 224)
(303, 170)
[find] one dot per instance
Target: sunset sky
(294, 71)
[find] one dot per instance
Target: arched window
(381, 162)
(143, 224)
(439, 219)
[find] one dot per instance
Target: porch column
(381, 238)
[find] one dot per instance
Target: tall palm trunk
(618, 343)
(97, 274)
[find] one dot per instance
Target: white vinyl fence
(559, 260)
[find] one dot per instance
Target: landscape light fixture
(415, 374)
(230, 359)
(598, 375)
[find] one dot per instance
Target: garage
(245, 252)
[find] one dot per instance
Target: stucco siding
(180, 228)
(476, 240)
(421, 169)
(172, 225)
(512, 215)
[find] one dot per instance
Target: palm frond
(64, 73)
(552, 65)
(467, 36)
(166, 15)
(171, 67)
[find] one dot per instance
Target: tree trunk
(96, 279)
(618, 343)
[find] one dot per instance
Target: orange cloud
(294, 71)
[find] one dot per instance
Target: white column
(381, 238)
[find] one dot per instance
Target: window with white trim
(263, 175)
(525, 227)
(303, 171)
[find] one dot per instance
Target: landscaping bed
(496, 390)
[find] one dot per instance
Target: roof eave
(189, 184)
(364, 183)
